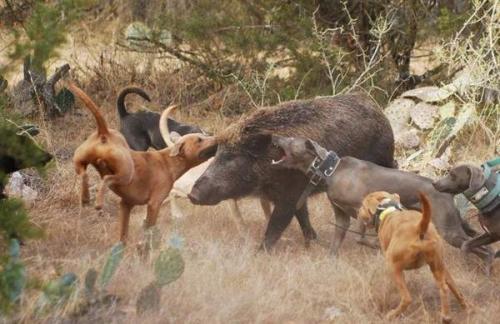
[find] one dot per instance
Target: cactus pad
(169, 266)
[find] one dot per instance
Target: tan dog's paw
(392, 314)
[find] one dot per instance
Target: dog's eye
(199, 139)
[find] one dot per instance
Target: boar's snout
(204, 192)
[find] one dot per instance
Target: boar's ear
(258, 144)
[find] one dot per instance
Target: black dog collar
(318, 171)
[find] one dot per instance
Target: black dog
(141, 129)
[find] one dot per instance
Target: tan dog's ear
(177, 149)
(174, 136)
(476, 178)
(363, 213)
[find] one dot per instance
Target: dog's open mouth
(282, 156)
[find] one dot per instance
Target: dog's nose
(193, 197)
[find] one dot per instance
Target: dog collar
(384, 209)
(319, 170)
(487, 197)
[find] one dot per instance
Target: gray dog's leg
(484, 252)
(342, 222)
(478, 241)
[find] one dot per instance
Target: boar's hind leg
(280, 219)
(305, 225)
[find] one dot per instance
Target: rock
(408, 139)
(332, 312)
(398, 113)
(140, 36)
(423, 115)
(16, 188)
(429, 94)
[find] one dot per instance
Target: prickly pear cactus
(111, 265)
(169, 266)
(13, 274)
(90, 280)
(149, 298)
(57, 292)
(61, 288)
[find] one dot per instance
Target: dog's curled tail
(426, 214)
(164, 131)
(102, 126)
(120, 101)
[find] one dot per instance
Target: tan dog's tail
(426, 214)
(165, 133)
(102, 126)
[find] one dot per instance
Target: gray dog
(349, 180)
(481, 186)
(141, 129)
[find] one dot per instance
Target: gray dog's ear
(315, 148)
(310, 145)
(476, 177)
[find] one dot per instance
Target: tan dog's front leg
(152, 213)
(124, 220)
(362, 238)
(403, 291)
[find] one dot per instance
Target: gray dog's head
(296, 153)
(461, 178)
